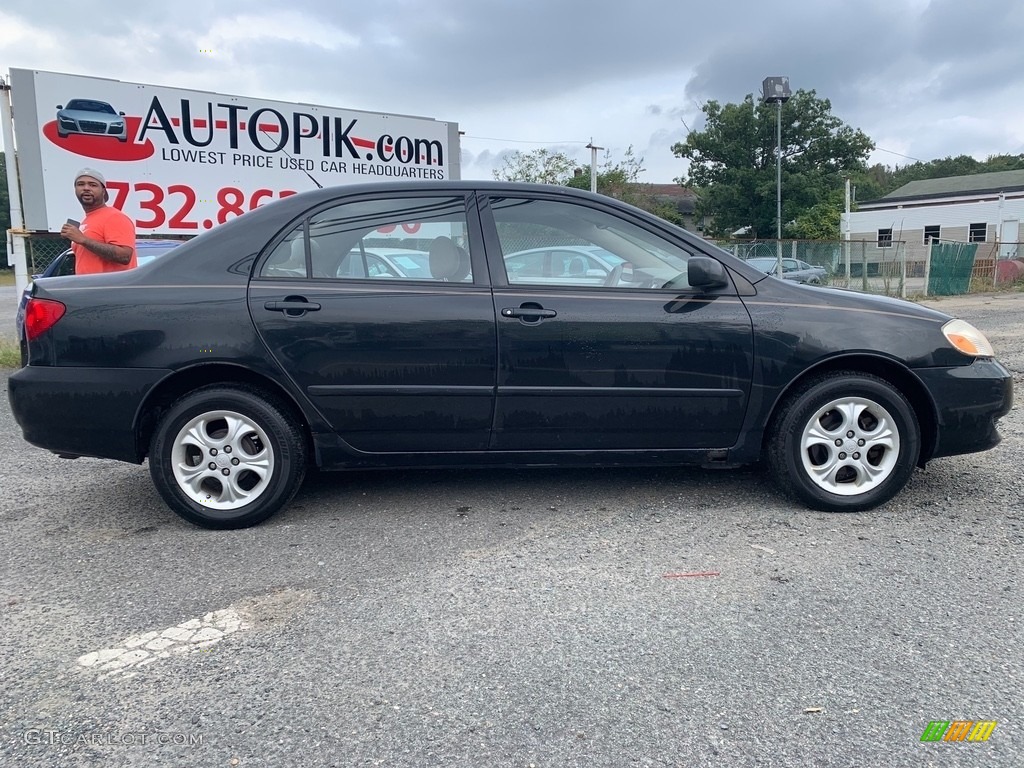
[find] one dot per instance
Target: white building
(981, 208)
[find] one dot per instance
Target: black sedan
(232, 375)
(64, 264)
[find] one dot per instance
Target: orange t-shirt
(107, 225)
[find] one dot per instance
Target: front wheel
(844, 442)
(226, 457)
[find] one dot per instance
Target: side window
(67, 264)
(526, 264)
(288, 259)
(545, 242)
(421, 238)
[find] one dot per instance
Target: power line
(521, 141)
(915, 159)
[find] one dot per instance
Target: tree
(542, 166)
(961, 165)
(615, 179)
(618, 179)
(821, 221)
(733, 165)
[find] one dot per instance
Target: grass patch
(10, 354)
(6, 277)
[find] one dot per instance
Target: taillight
(41, 315)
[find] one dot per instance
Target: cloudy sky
(924, 79)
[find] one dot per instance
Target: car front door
(393, 364)
(637, 360)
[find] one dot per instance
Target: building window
(931, 234)
(977, 233)
(885, 238)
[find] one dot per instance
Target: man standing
(106, 240)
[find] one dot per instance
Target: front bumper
(82, 411)
(968, 401)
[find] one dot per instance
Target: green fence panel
(951, 267)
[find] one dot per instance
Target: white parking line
(187, 637)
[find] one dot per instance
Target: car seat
(447, 261)
(577, 267)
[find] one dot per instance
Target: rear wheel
(844, 442)
(227, 457)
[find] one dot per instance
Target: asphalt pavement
(590, 618)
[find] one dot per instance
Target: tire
(877, 431)
(227, 457)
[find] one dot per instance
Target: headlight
(967, 339)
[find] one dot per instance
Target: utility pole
(846, 234)
(17, 237)
(593, 164)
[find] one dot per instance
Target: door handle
(288, 307)
(532, 312)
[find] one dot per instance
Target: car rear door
(615, 364)
(393, 364)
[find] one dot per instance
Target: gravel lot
(498, 618)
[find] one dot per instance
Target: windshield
(85, 105)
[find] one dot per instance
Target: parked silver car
(792, 269)
(562, 263)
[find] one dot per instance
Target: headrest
(445, 259)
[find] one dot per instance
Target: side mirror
(121, 114)
(705, 272)
(60, 106)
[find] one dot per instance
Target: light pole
(775, 90)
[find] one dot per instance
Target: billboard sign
(180, 161)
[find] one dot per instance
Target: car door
(620, 363)
(393, 364)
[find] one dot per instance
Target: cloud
(927, 78)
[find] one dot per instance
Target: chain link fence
(866, 266)
(42, 248)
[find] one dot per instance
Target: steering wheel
(613, 276)
(679, 281)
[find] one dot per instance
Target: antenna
(318, 184)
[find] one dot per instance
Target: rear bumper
(969, 400)
(82, 411)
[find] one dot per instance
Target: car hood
(849, 299)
